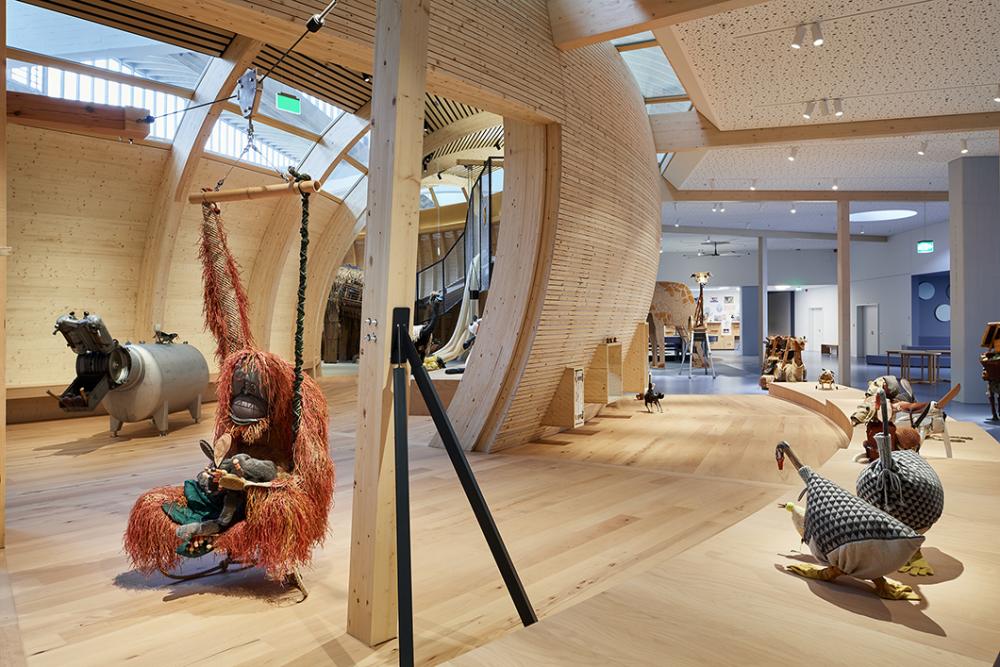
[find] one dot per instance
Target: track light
(810, 109)
(817, 35)
(838, 107)
(800, 37)
(367, 78)
(792, 210)
(722, 208)
(996, 93)
(836, 185)
(753, 184)
(793, 153)
(715, 208)
(824, 108)
(964, 146)
(923, 148)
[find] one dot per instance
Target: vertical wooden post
(762, 295)
(844, 292)
(390, 269)
(3, 278)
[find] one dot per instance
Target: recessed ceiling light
(882, 216)
(800, 36)
(964, 146)
(817, 35)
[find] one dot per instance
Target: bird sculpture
(651, 397)
(848, 535)
(902, 484)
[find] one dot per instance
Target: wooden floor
(576, 524)
(728, 599)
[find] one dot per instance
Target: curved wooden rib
(461, 128)
(446, 162)
(325, 257)
(498, 357)
(282, 230)
(185, 153)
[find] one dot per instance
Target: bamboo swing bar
(255, 192)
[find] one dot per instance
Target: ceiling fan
(714, 252)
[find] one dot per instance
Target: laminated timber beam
(769, 233)
(463, 127)
(690, 130)
(577, 23)
(672, 194)
(400, 76)
(178, 174)
(82, 117)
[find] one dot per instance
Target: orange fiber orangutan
(274, 521)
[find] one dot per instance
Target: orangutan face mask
(248, 405)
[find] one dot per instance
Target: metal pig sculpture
(136, 382)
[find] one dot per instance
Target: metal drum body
(153, 380)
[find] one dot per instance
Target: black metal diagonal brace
(402, 350)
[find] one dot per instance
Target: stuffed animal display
(850, 536)
(783, 361)
(826, 380)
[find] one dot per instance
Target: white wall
(880, 274)
(785, 267)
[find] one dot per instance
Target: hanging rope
(300, 311)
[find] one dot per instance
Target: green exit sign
(288, 102)
(924, 247)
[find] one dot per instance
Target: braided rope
(300, 316)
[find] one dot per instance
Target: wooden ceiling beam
(769, 233)
(671, 194)
(178, 178)
(477, 122)
(82, 117)
(577, 23)
(690, 130)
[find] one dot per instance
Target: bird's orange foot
(888, 589)
(810, 571)
(918, 566)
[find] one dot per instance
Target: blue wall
(927, 331)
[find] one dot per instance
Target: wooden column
(3, 276)
(844, 292)
(390, 270)
(761, 295)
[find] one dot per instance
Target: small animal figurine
(825, 380)
(651, 397)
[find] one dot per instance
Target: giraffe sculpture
(700, 277)
(672, 307)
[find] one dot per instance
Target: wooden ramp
(728, 600)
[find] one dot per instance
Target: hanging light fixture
(838, 107)
(800, 37)
(923, 148)
(817, 35)
(810, 108)
(964, 146)
(793, 153)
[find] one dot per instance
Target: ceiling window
(652, 71)
(633, 39)
(342, 181)
(448, 195)
(273, 148)
(290, 105)
(36, 30)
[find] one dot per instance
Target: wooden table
(927, 362)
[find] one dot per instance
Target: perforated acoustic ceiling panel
(885, 58)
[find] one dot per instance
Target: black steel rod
(468, 480)
(404, 573)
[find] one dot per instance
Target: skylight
(275, 149)
(50, 33)
(652, 71)
(314, 114)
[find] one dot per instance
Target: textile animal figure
(895, 390)
(285, 518)
(900, 436)
(905, 486)
(849, 535)
(651, 397)
(672, 307)
(826, 380)
(792, 369)
(424, 332)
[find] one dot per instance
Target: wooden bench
(829, 348)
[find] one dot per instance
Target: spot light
(838, 107)
(964, 146)
(923, 148)
(810, 109)
(800, 36)
(367, 78)
(722, 208)
(835, 186)
(753, 184)
(792, 210)
(793, 152)
(996, 93)
(817, 35)
(824, 108)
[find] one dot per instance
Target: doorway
(816, 327)
(867, 330)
